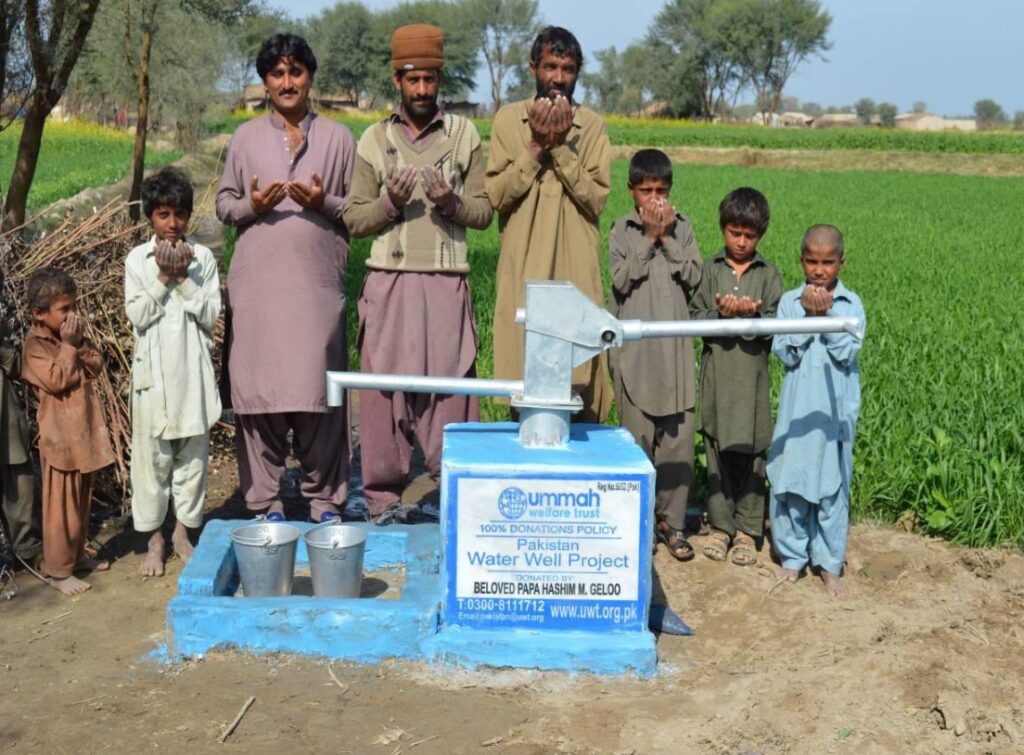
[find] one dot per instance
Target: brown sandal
(716, 547)
(743, 550)
(674, 540)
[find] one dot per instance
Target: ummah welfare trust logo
(512, 503)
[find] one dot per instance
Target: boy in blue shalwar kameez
(810, 461)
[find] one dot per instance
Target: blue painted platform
(542, 560)
(205, 615)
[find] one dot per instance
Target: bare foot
(833, 583)
(69, 585)
(789, 575)
(153, 564)
(90, 564)
(182, 545)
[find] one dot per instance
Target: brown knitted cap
(417, 46)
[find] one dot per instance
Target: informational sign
(546, 552)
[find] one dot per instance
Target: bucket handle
(269, 549)
(337, 554)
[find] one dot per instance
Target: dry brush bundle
(92, 250)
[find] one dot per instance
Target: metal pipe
(634, 330)
(337, 381)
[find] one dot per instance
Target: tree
(865, 109)
(340, 39)
(54, 34)
(143, 20)
(622, 83)
(780, 35)
(789, 104)
(638, 72)
(521, 84)
(812, 109)
(505, 30)
(460, 47)
(989, 113)
(702, 47)
(245, 42)
(604, 86)
(919, 106)
(15, 66)
(887, 114)
(1018, 120)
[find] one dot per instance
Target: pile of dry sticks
(92, 250)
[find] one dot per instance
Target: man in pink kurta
(285, 182)
(418, 184)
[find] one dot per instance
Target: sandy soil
(924, 656)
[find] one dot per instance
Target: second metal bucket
(336, 559)
(265, 552)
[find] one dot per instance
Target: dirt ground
(925, 655)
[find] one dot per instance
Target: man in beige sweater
(418, 184)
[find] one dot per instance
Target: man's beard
(552, 89)
(420, 107)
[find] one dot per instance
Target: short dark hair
(168, 188)
(825, 234)
(746, 207)
(649, 164)
(284, 46)
(562, 42)
(46, 284)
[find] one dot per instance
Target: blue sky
(948, 53)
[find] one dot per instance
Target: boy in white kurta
(172, 296)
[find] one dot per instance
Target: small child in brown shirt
(73, 438)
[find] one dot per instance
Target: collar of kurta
(399, 117)
(758, 259)
(277, 121)
(41, 331)
(525, 115)
(839, 292)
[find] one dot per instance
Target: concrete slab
(589, 652)
(205, 615)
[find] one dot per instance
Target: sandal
(743, 553)
(675, 541)
(717, 546)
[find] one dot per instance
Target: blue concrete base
(205, 615)
(509, 517)
(590, 652)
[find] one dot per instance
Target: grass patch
(75, 156)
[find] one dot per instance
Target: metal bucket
(336, 559)
(266, 557)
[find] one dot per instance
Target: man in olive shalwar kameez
(549, 176)
(285, 182)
